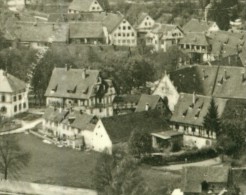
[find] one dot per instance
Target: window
(93, 8)
(145, 23)
(127, 34)
(129, 28)
(24, 105)
(193, 130)
(20, 106)
(124, 28)
(14, 98)
(119, 34)
(15, 109)
(119, 27)
(133, 34)
(123, 34)
(20, 97)
(3, 98)
(3, 110)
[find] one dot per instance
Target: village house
(74, 128)
(115, 130)
(206, 180)
(78, 6)
(143, 24)
(40, 34)
(167, 139)
(13, 95)
(81, 89)
(197, 46)
(165, 89)
(200, 26)
(87, 33)
(151, 102)
(164, 36)
(125, 104)
(188, 117)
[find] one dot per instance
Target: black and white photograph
(122, 97)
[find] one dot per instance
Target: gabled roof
(141, 16)
(191, 109)
(150, 100)
(199, 79)
(80, 5)
(10, 84)
(42, 32)
(195, 25)
(80, 120)
(119, 127)
(195, 39)
(84, 5)
(230, 82)
(167, 134)
(111, 21)
(127, 98)
(55, 115)
(194, 176)
(71, 83)
(86, 30)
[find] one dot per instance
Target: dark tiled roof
(230, 82)
(195, 25)
(195, 39)
(145, 99)
(80, 5)
(81, 121)
(55, 115)
(194, 176)
(111, 21)
(198, 79)
(119, 127)
(42, 32)
(71, 84)
(188, 113)
(128, 98)
(9, 83)
(86, 30)
(235, 111)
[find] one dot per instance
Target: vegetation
(12, 158)
(211, 120)
(140, 143)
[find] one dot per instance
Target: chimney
(225, 74)
(84, 73)
(147, 107)
(204, 74)
(194, 98)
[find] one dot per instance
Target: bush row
(188, 156)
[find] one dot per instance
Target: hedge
(188, 156)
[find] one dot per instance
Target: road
(25, 126)
(210, 162)
(17, 187)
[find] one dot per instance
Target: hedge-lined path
(211, 162)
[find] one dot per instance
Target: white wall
(101, 140)
(199, 142)
(147, 23)
(95, 7)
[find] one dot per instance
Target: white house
(144, 23)
(13, 95)
(115, 130)
(81, 89)
(163, 36)
(73, 127)
(188, 118)
(78, 6)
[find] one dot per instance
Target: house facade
(13, 95)
(81, 89)
(163, 36)
(144, 23)
(73, 128)
(78, 6)
(165, 88)
(188, 117)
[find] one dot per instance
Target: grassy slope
(52, 165)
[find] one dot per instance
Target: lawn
(52, 165)
(158, 180)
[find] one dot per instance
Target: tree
(140, 143)
(211, 121)
(12, 158)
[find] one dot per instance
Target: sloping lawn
(52, 165)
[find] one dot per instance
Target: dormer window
(86, 90)
(197, 114)
(54, 89)
(72, 90)
(185, 113)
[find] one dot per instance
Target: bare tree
(12, 158)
